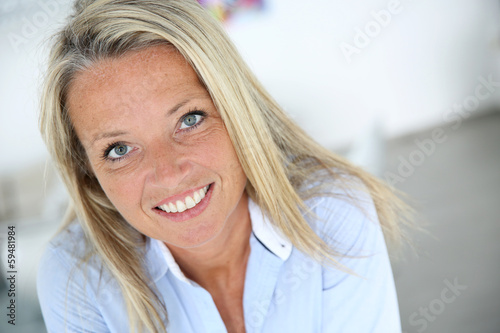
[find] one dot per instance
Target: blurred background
(410, 90)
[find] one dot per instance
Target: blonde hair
(283, 164)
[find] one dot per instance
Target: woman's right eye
(118, 151)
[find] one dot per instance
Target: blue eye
(191, 120)
(118, 151)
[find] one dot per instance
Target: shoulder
(361, 295)
(345, 217)
(67, 282)
(66, 259)
(71, 237)
(68, 249)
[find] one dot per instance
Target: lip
(188, 213)
(180, 196)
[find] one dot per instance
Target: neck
(223, 259)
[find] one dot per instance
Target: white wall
(422, 62)
(427, 58)
(25, 26)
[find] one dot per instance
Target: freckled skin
(132, 96)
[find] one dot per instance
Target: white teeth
(196, 197)
(181, 206)
(173, 208)
(165, 207)
(189, 202)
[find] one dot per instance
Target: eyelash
(105, 155)
(203, 115)
(196, 112)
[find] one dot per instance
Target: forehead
(116, 89)
(145, 69)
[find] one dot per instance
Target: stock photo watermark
(33, 24)
(372, 29)
(11, 274)
(428, 314)
(407, 165)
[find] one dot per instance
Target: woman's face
(155, 142)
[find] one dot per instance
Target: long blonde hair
(283, 164)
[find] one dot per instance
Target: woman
(197, 205)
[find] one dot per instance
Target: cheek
(123, 192)
(218, 152)
(229, 165)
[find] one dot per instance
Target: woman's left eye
(190, 120)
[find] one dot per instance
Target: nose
(169, 167)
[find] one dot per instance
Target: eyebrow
(113, 134)
(106, 136)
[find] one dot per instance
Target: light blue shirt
(285, 290)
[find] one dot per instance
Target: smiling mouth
(188, 203)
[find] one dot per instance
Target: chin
(195, 237)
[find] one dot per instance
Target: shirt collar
(268, 234)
